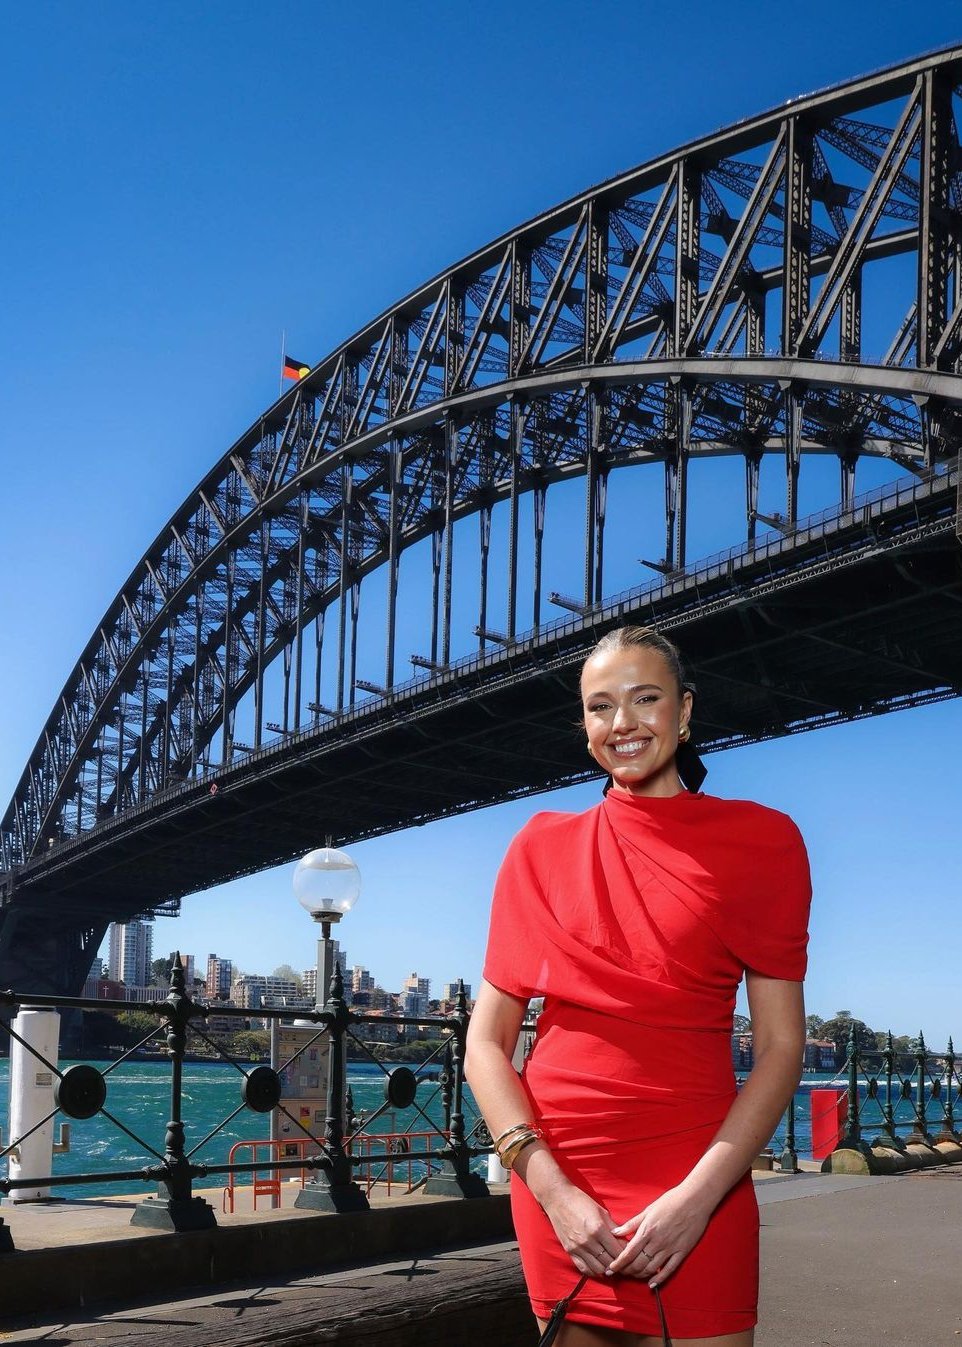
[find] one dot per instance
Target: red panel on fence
(829, 1115)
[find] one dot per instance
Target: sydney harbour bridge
(713, 303)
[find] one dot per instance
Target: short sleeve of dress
(769, 934)
(515, 954)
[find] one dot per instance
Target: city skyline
(224, 973)
(157, 304)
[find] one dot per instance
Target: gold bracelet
(511, 1153)
(516, 1143)
(509, 1131)
(504, 1146)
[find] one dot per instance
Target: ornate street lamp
(327, 884)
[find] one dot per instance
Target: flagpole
(280, 382)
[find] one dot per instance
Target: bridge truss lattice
(715, 301)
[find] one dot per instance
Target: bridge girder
(851, 616)
(710, 302)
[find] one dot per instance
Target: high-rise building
(131, 952)
(310, 974)
(362, 980)
(415, 994)
(254, 990)
(450, 991)
(220, 974)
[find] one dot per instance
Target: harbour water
(139, 1096)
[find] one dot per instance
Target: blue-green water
(139, 1098)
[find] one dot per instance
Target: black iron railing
(445, 1140)
(895, 1097)
(900, 1097)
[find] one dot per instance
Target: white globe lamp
(327, 884)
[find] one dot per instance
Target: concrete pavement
(848, 1260)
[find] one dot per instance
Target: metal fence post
(888, 1135)
(947, 1131)
(456, 1178)
(174, 1207)
(334, 1189)
(447, 1084)
(919, 1136)
(852, 1138)
(788, 1160)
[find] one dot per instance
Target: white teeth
(626, 750)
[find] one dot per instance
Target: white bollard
(31, 1098)
(496, 1170)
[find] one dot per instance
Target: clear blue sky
(183, 182)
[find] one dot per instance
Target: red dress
(635, 921)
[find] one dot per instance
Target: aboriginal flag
(295, 369)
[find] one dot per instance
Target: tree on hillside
(135, 1025)
(814, 1025)
(250, 1043)
(286, 971)
(160, 971)
(741, 1024)
(905, 1048)
(839, 1028)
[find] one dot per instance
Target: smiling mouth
(631, 748)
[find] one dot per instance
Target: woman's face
(633, 711)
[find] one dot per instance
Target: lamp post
(327, 884)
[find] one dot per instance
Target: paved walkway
(845, 1260)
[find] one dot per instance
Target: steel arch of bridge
(709, 302)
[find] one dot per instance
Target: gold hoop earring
(684, 734)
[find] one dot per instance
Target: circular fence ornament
(81, 1091)
(400, 1087)
(261, 1089)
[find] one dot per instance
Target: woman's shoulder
(551, 825)
(747, 809)
(759, 822)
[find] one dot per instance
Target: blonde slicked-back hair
(625, 638)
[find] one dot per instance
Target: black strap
(665, 1335)
(553, 1326)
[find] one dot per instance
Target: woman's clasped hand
(584, 1229)
(660, 1237)
(649, 1246)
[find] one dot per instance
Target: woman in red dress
(629, 1147)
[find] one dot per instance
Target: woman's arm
(672, 1225)
(583, 1227)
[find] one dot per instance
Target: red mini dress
(635, 921)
